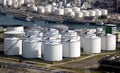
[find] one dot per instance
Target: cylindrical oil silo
(59, 11)
(48, 9)
(16, 28)
(41, 9)
(85, 13)
(76, 9)
(78, 14)
(54, 4)
(92, 44)
(52, 51)
(71, 14)
(4, 2)
(108, 42)
(21, 2)
(53, 9)
(71, 48)
(12, 46)
(104, 11)
(35, 33)
(10, 34)
(32, 49)
(91, 13)
(66, 10)
(97, 12)
(34, 9)
(15, 3)
(9, 3)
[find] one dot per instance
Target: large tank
(32, 49)
(41, 9)
(91, 13)
(53, 9)
(16, 28)
(15, 4)
(52, 51)
(14, 34)
(85, 13)
(92, 44)
(9, 3)
(97, 12)
(71, 14)
(66, 10)
(35, 33)
(48, 9)
(34, 9)
(59, 11)
(4, 2)
(71, 48)
(104, 11)
(76, 9)
(78, 14)
(108, 42)
(12, 46)
(21, 2)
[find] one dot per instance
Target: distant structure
(111, 5)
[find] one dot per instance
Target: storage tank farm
(71, 44)
(13, 40)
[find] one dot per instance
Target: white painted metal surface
(104, 11)
(91, 13)
(52, 51)
(12, 46)
(108, 42)
(41, 9)
(78, 14)
(92, 44)
(71, 48)
(32, 49)
(19, 28)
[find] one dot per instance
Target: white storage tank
(85, 13)
(4, 2)
(71, 48)
(92, 44)
(78, 14)
(71, 14)
(21, 2)
(52, 51)
(66, 10)
(91, 13)
(15, 3)
(16, 28)
(59, 11)
(97, 12)
(41, 9)
(104, 11)
(53, 9)
(36, 33)
(32, 49)
(14, 34)
(108, 42)
(76, 9)
(12, 46)
(9, 3)
(34, 9)
(54, 4)
(48, 9)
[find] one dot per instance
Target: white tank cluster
(54, 45)
(108, 42)
(13, 3)
(71, 44)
